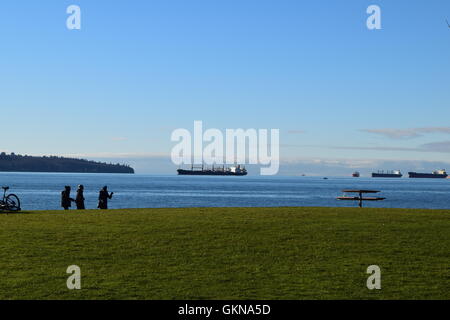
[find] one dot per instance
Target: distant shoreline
(54, 164)
(67, 172)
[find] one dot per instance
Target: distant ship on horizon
(387, 174)
(214, 171)
(439, 174)
(356, 174)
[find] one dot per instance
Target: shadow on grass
(4, 212)
(15, 212)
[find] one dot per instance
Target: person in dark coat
(66, 200)
(79, 199)
(103, 197)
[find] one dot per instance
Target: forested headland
(24, 163)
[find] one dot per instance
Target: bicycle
(9, 202)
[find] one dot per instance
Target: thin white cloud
(439, 147)
(374, 148)
(443, 146)
(115, 155)
(407, 133)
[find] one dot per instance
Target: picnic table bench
(360, 197)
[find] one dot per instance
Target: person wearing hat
(103, 197)
(66, 200)
(79, 199)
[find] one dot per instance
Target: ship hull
(209, 173)
(386, 175)
(427, 175)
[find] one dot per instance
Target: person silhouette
(79, 199)
(66, 200)
(103, 197)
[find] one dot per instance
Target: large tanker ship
(442, 174)
(387, 174)
(214, 171)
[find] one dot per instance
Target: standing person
(103, 197)
(79, 199)
(66, 200)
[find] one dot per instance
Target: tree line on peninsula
(24, 163)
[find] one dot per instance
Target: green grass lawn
(226, 253)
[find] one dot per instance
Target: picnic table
(360, 196)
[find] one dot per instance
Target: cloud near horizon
(443, 146)
(407, 133)
(439, 147)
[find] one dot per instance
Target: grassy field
(226, 253)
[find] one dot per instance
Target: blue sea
(41, 191)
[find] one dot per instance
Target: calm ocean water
(41, 191)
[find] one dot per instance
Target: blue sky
(338, 92)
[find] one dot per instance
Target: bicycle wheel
(12, 203)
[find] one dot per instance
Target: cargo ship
(218, 171)
(440, 174)
(387, 174)
(356, 174)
